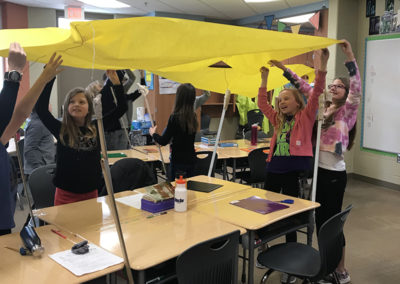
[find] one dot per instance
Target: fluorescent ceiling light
(259, 1)
(297, 19)
(105, 3)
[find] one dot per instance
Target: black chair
(255, 116)
(205, 120)
(305, 262)
(42, 187)
(213, 262)
(203, 161)
(257, 160)
(130, 173)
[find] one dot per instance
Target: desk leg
(310, 227)
(225, 171)
(141, 277)
(251, 257)
(234, 170)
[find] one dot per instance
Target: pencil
(58, 233)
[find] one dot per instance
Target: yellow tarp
(180, 50)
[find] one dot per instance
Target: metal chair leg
(266, 275)
(19, 200)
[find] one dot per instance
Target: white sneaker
(285, 276)
(343, 277)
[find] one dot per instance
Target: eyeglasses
(331, 86)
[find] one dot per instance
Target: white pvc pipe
(317, 146)
(108, 181)
(226, 101)
(144, 91)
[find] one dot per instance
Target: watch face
(14, 76)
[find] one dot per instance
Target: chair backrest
(257, 164)
(203, 161)
(205, 121)
(213, 262)
(42, 187)
(255, 116)
(331, 241)
(129, 174)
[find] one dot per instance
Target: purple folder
(259, 205)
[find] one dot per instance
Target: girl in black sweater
(78, 171)
(180, 132)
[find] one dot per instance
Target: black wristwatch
(13, 76)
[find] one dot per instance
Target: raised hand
(152, 130)
(264, 76)
(16, 57)
(277, 64)
(113, 76)
(52, 67)
(346, 48)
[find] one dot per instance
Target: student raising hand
(113, 76)
(264, 76)
(24, 107)
(16, 57)
(346, 48)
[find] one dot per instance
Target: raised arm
(136, 94)
(296, 81)
(263, 103)
(131, 78)
(200, 100)
(354, 97)
(312, 103)
(26, 104)
(121, 104)
(8, 96)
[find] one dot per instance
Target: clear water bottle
(180, 195)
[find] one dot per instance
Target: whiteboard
(381, 111)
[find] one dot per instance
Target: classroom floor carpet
(372, 235)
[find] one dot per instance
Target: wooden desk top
(222, 209)
(131, 154)
(95, 213)
(91, 214)
(151, 241)
(15, 268)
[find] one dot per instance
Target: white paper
(96, 259)
(132, 200)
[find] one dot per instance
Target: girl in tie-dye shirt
(338, 132)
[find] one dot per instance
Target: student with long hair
(337, 136)
(78, 172)
(291, 147)
(12, 115)
(180, 132)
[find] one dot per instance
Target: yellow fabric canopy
(180, 50)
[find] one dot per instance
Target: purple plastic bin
(157, 207)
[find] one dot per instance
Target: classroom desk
(252, 221)
(153, 241)
(149, 241)
(235, 153)
(224, 153)
(131, 153)
(95, 213)
(15, 268)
